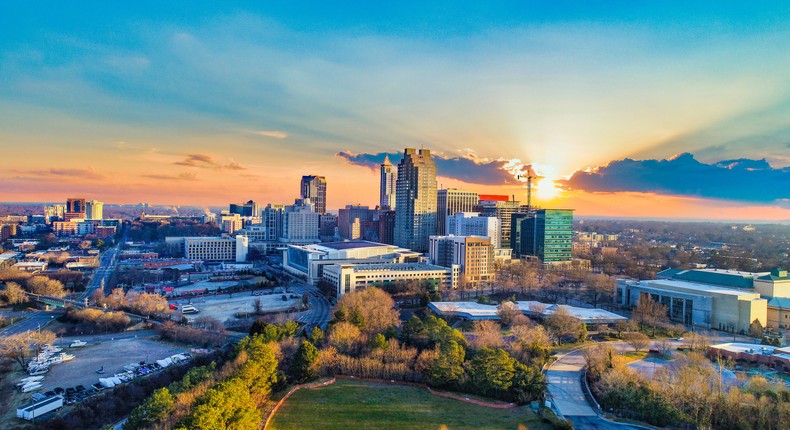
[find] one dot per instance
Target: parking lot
(224, 307)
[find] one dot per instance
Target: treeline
(95, 320)
(132, 301)
(18, 282)
(155, 230)
(691, 393)
(215, 397)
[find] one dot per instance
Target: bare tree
(19, 347)
(14, 294)
(486, 334)
(561, 324)
(638, 341)
(663, 346)
(508, 312)
(651, 313)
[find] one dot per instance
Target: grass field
(347, 405)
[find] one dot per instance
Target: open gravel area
(223, 307)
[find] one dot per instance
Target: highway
(32, 321)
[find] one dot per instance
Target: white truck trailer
(37, 409)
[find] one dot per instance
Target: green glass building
(545, 233)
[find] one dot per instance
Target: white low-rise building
(350, 277)
(212, 249)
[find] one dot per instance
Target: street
(32, 321)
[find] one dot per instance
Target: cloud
(185, 176)
(467, 168)
(741, 180)
(197, 160)
(277, 134)
(233, 165)
(62, 173)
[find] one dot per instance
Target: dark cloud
(742, 179)
(198, 160)
(185, 176)
(467, 169)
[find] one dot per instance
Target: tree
(624, 326)
(153, 410)
(17, 347)
(316, 335)
(649, 312)
(14, 294)
(663, 346)
(491, 371)
(638, 341)
(345, 337)
(257, 306)
(412, 328)
(447, 369)
(756, 329)
(378, 342)
(303, 365)
(562, 325)
(508, 312)
(602, 287)
(486, 334)
(44, 286)
(372, 309)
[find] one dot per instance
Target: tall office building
(249, 209)
(389, 180)
(273, 221)
(502, 209)
(450, 202)
(387, 227)
(94, 210)
(415, 203)
(314, 188)
(547, 234)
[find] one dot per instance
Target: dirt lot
(224, 307)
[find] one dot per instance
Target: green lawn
(347, 405)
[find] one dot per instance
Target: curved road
(564, 379)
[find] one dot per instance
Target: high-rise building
(387, 227)
(75, 209)
(75, 205)
(301, 223)
(389, 180)
(314, 188)
(547, 234)
(351, 218)
(450, 202)
(94, 210)
(249, 209)
(415, 203)
(273, 218)
(503, 211)
(54, 212)
(473, 254)
(327, 224)
(471, 224)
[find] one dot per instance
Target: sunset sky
(638, 109)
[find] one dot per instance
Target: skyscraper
(388, 183)
(451, 201)
(94, 210)
(249, 209)
(415, 203)
(547, 234)
(502, 209)
(314, 188)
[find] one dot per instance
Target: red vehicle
(173, 307)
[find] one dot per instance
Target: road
(32, 321)
(101, 276)
(319, 313)
(565, 387)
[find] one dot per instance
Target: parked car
(59, 390)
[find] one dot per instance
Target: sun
(546, 189)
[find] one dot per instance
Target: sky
(668, 109)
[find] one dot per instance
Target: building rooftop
(375, 267)
(700, 287)
(351, 244)
(776, 275)
(747, 348)
(724, 278)
(477, 311)
(779, 302)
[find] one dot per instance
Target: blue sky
(125, 92)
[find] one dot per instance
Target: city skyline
(662, 110)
